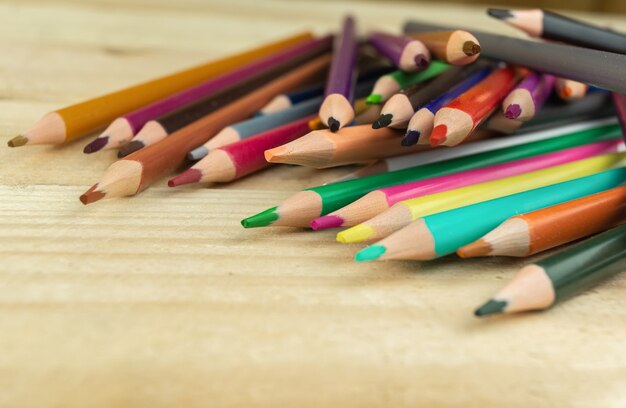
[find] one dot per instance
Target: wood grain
(163, 299)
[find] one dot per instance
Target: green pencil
(393, 82)
(443, 233)
(540, 285)
(303, 207)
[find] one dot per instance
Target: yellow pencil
(404, 212)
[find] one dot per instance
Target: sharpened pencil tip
(262, 219)
(491, 307)
(197, 153)
(501, 14)
(371, 253)
(421, 61)
(475, 249)
(96, 145)
(438, 136)
(17, 141)
(186, 177)
(383, 121)
(333, 124)
(129, 148)
(325, 222)
(512, 111)
(91, 195)
(566, 92)
(470, 48)
(411, 138)
(374, 99)
(358, 233)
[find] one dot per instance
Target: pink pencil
(122, 129)
(382, 199)
(239, 159)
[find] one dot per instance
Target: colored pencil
(137, 171)
(392, 83)
(528, 96)
(164, 125)
(553, 26)
(242, 158)
(443, 233)
(360, 107)
(459, 117)
(287, 100)
(456, 47)
(382, 199)
(420, 124)
(528, 234)
(407, 54)
(336, 110)
(540, 285)
(405, 161)
(253, 126)
(405, 212)
(577, 63)
(570, 90)
(122, 129)
(355, 144)
(619, 102)
(75, 121)
(400, 107)
(300, 209)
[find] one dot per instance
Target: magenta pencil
(528, 96)
(404, 52)
(382, 199)
(125, 127)
(336, 110)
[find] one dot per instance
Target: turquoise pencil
(443, 233)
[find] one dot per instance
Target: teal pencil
(443, 233)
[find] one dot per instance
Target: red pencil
(239, 159)
(455, 121)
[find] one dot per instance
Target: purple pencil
(122, 129)
(336, 110)
(528, 97)
(407, 54)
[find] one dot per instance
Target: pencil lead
(421, 61)
(501, 14)
(411, 138)
(470, 48)
(91, 195)
(358, 233)
(186, 177)
(326, 221)
(17, 141)
(438, 136)
(96, 145)
(566, 92)
(197, 153)
(129, 148)
(382, 121)
(262, 219)
(491, 307)
(374, 99)
(475, 249)
(370, 253)
(513, 111)
(333, 124)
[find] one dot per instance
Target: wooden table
(164, 300)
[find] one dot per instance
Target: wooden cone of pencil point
(456, 47)
(137, 171)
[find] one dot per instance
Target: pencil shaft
(342, 74)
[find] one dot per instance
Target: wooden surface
(164, 300)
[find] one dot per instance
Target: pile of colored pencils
(473, 143)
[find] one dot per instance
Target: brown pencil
(537, 231)
(137, 171)
(354, 144)
(456, 47)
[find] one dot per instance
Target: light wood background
(164, 300)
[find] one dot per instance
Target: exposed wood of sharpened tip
(451, 126)
(530, 289)
(150, 133)
(456, 47)
(216, 167)
(363, 209)
(49, 130)
(511, 238)
(338, 108)
(122, 178)
(299, 209)
(162, 157)
(413, 242)
(399, 106)
(570, 90)
(119, 132)
(378, 227)
(309, 150)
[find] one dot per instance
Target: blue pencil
(421, 124)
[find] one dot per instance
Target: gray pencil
(600, 68)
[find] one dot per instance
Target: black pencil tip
(382, 121)
(411, 138)
(501, 14)
(491, 307)
(131, 147)
(333, 124)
